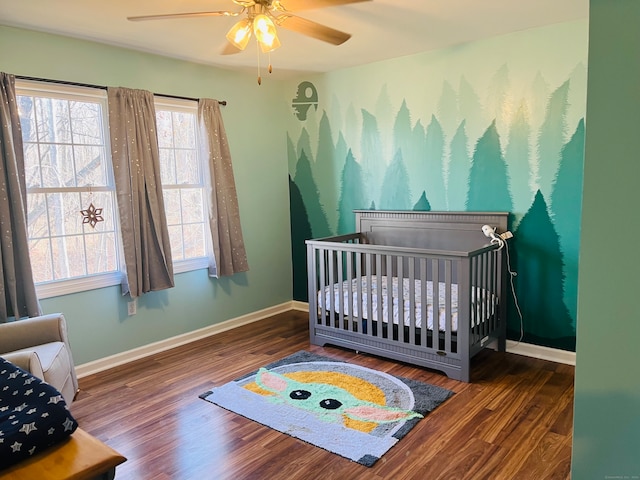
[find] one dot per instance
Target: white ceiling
(381, 29)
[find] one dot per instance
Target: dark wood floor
(513, 421)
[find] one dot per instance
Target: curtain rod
(102, 87)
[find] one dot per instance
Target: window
(183, 183)
(67, 168)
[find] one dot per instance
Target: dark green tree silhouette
(352, 195)
(567, 212)
(395, 186)
(422, 204)
(373, 162)
(300, 231)
(551, 138)
(327, 172)
(459, 167)
(538, 262)
(517, 155)
(488, 179)
(310, 197)
(434, 158)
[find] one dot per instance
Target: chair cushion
(33, 415)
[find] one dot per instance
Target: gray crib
(426, 288)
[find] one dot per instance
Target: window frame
(54, 288)
(191, 106)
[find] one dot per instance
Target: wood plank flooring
(513, 421)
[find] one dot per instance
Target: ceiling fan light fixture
(266, 34)
(240, 34)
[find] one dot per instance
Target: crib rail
(347, 307)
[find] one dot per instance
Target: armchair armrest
(32, 331)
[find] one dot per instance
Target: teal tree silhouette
(403, 140)
(327, 170)
(551, 137)
(434, 158)
(538, 263)
(292, 157)
(567, 212)
(498, 94)
(418, 171)
(395, 186)
(422, 204)
(310, 197)
(471, 109)
(373, 162)
(304, 145)
(459, 167)
(448, 108)
(300, 231)
(352, 195)
(488, 179)
(517, 154)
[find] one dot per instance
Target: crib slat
(380, 315)
(424, 339)
(400, 297)
(448, 316)
(323, 282)
(370, 319)
(412, 300)
(388, 277)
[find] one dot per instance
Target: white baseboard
(89, 368)
(542, 353)
(105, 363)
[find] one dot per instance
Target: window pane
(188, 171)
(194, 241)
(86, 123)
(90, 165)
(67, 170)
(101, 254)
(192, 207)
(184, 127)
(167, 166)
(175, 237)
(40, 254)
(52, 119)
(69, 259)
(182, 180)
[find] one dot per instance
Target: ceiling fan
(261, 19)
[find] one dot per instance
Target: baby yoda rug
(353, 411)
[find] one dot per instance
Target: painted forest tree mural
(510, 145)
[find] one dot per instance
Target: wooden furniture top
(81, 457)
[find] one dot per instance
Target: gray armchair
(40, 345)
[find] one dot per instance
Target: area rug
(349, 410)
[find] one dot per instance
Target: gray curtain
(18, 292)
(224, 214)
(136, 165)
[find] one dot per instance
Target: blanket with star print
(33, 415)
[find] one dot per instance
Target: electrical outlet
(131, 307)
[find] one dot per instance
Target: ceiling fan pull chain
(258, 55)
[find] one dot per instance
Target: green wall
(98, 322)
(606, 440)
(493, 125)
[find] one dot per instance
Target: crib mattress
(483, 301)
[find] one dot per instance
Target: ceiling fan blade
(297, 5)
(183, 15)
(229, 49)
(312, 29)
